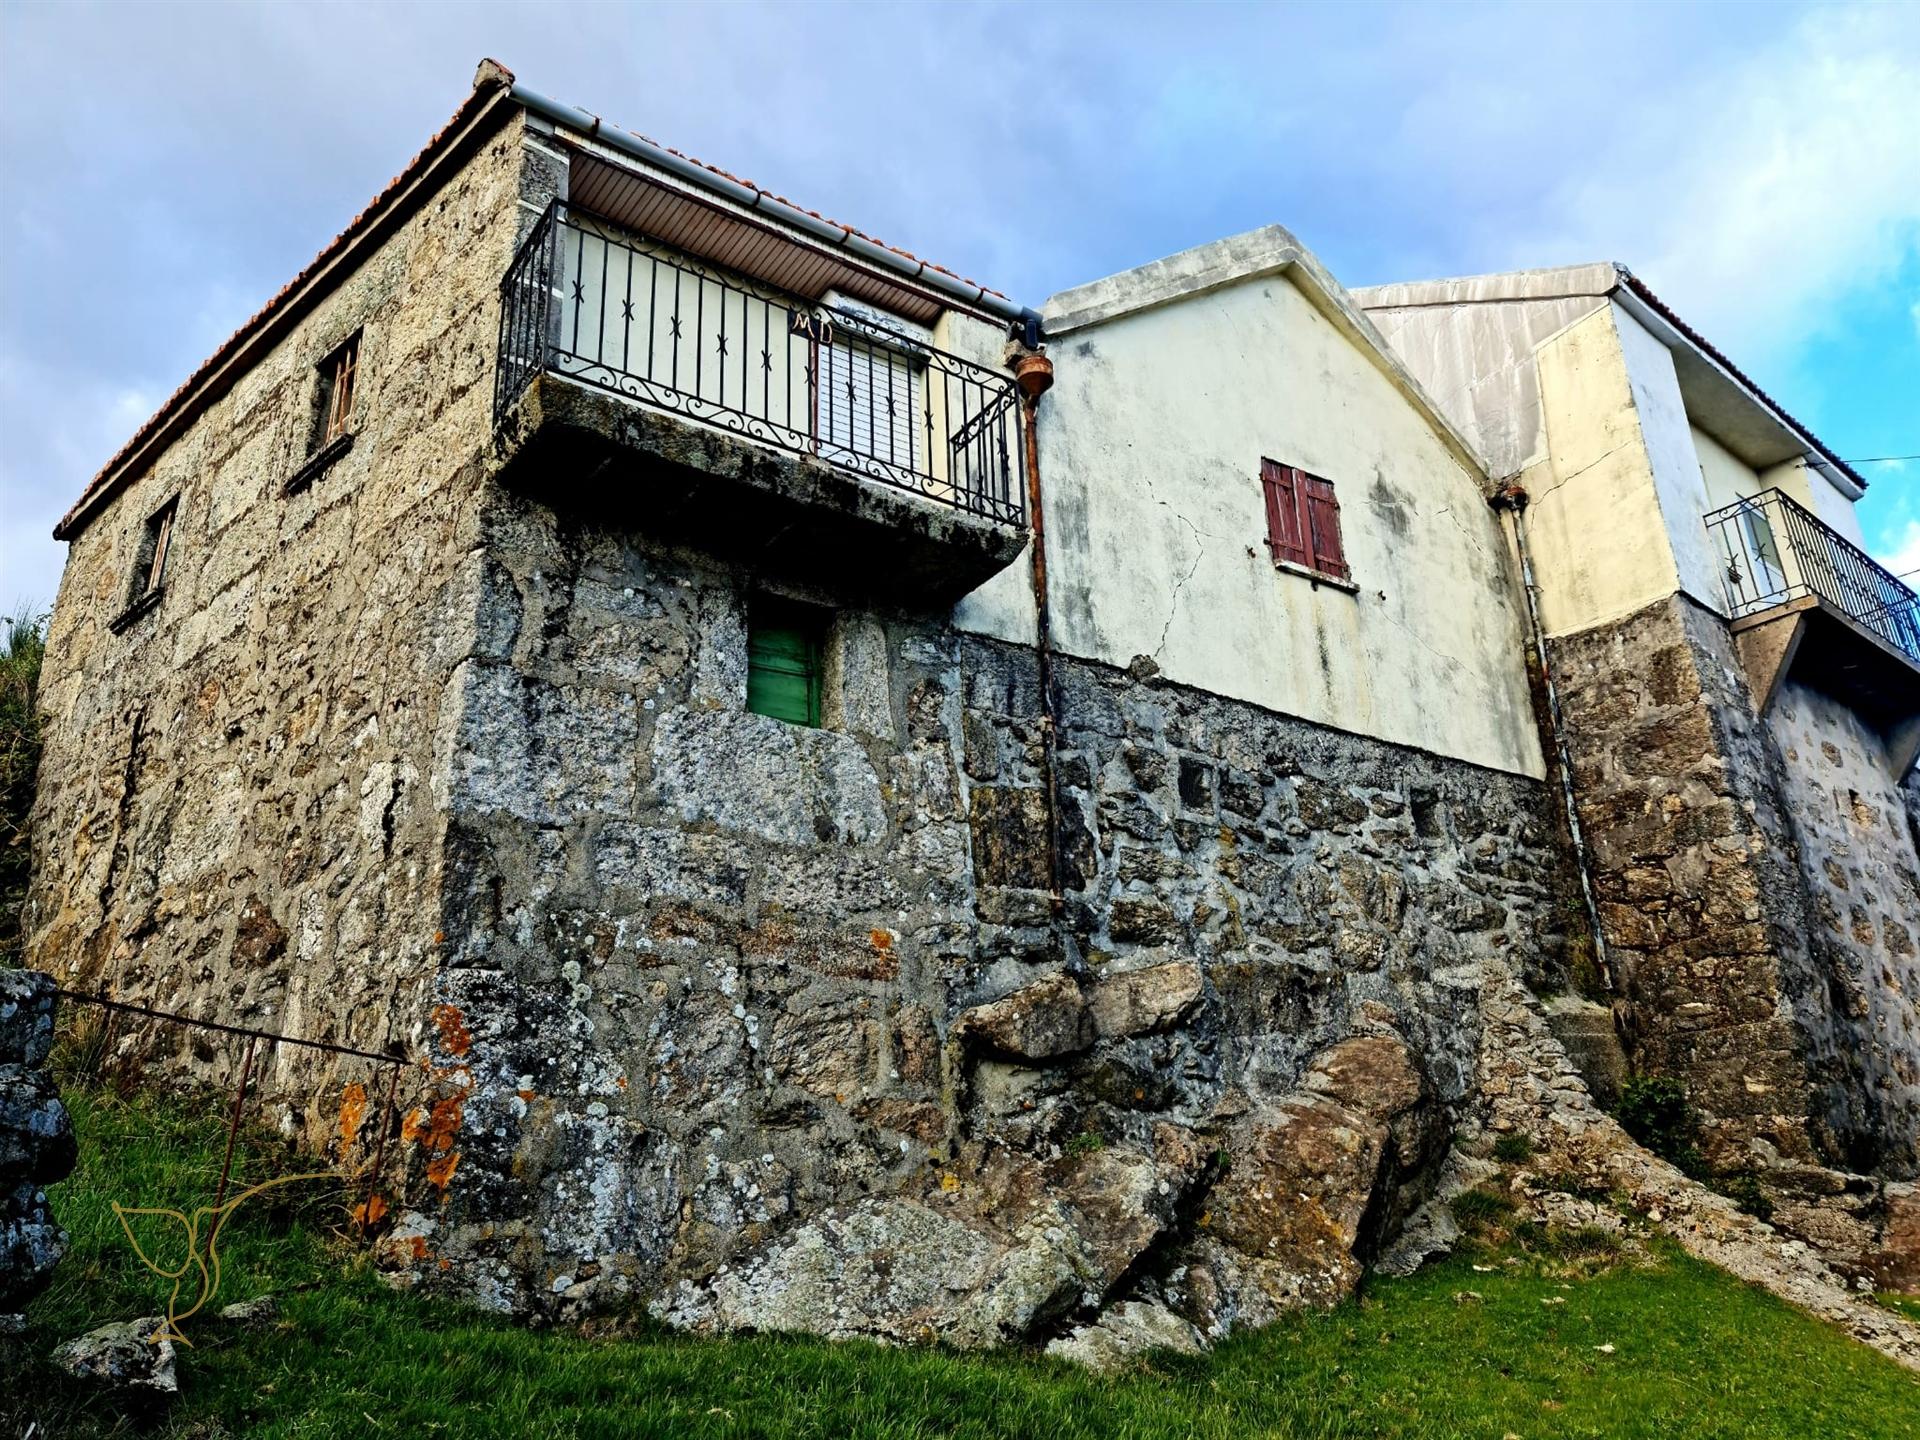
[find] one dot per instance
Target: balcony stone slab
(1812, 640)
(614, 461)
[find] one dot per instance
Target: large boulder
(996, 1250)
(1125, 1333)
(1313, 1183)
(26, 1017)
(36, 1137)
(31, 1244)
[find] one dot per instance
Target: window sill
(318, 464)
(1318, 577)
(120, 623)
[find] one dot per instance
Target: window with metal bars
(785, 644)
(1303, 522)
(335, 409)
(872, 404)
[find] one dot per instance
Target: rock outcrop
(36, 1139)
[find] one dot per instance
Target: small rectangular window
(784, 645)
(1303, 521)
(150, 564)
(336, 392)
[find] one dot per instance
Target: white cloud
(1904, 556)
(1755, 193)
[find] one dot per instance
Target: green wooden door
(783, 662)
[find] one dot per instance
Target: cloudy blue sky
(168, 167)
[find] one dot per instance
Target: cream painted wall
(1151, 442)
(1667, 435)
(1816, 492)
(1598, 543)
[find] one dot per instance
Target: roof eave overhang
(1238, 259)
(1639, 302)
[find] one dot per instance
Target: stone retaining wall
(1759, 886)
(778, 1027)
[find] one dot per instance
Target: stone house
(877, 810)
(1739, 685)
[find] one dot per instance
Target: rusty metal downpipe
(1033, 372)
(1512, 501)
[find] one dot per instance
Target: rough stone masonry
(775, 1028)
(750, 1024)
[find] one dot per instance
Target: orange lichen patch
(445, 1123)
(440, 1170)
(419, 1247)
(445, 1264)
(369, 1212)
(439, 937)
(455, 1038)
(353, 1110)
(882, 940)
(526, 1095)
(414, 1126)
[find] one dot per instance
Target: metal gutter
(974, 296)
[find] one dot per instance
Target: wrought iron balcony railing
(602, 306)
(1777, 551)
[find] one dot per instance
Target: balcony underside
(1814, 642)
(794, 517)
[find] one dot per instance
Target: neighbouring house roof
(1602, 280)
(1270, 250)
(495, 95)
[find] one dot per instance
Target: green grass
(1695, 1353)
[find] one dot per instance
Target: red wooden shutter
(1286, 536)
(1322, 515)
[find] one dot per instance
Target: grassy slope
(1696, 1353)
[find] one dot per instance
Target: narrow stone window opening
(335, 407)
(786, 641)
(150, 562)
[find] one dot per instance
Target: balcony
(1804, 600)
(648, 387)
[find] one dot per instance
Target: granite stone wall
(1856, 832)
(1758, 886)
(239, 813)
(1700, 899)
(772, 1027)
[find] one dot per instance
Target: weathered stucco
(1171, 384)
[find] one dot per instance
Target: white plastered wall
(1151, 442)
